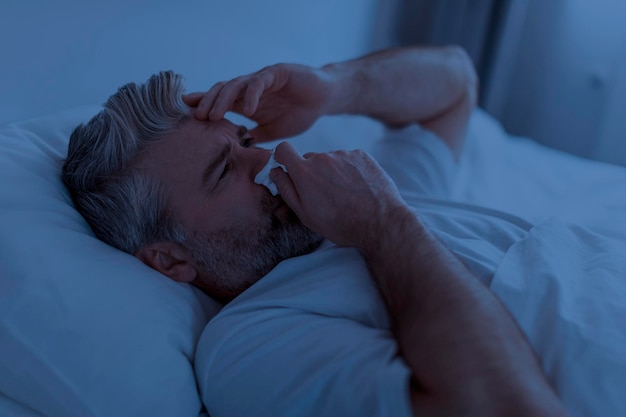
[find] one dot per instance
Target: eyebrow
(216, 162)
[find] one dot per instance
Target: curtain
(489, 30)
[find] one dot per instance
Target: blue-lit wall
(67, 53)
(567, 88)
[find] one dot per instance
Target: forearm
(462, 345)
(403, 85)
(466, 353)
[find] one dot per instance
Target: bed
(86, 330)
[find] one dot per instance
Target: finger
(226, 98)
(268, 131)
(260, 135)
(287, 189)
(287, 155)
(254, 91)
(206, 102)
(192, 99)
(309, 155)
(251, 97)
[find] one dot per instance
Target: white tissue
(263, 177)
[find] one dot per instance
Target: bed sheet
(565, 281)
(505, 172)
(519, 176)
(565, 287)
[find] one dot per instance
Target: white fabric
(425, 172)
(521, 177)
(85, 330)
(566, 287)
(88, 331)
(312, 337)
(263, 177)
(563, 282)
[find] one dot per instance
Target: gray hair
(125, 208)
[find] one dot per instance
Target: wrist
(346, 84)
(395, 259)
(390, 232)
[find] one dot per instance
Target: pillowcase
(85, 329)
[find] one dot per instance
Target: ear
(170, 259)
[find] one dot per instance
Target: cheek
(243, 204)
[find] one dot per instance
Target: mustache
(269, 203)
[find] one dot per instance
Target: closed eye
(246, 142)
(227, 168)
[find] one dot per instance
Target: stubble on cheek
(233, 258)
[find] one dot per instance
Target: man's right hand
(344, 196)
(463, 347)
(284, 99)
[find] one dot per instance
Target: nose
(260, 158)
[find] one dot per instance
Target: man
(175, 187)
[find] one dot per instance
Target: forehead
(194, 135)
(192, 142)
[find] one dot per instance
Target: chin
(234, 258)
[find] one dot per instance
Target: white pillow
(85, 330)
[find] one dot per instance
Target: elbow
(465, 77)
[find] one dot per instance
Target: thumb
(261, 134)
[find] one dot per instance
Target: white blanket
(566, 288)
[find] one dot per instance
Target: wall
(68, 53)
(552, 70)
(567, 87)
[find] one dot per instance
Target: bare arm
(435, 87)
(466, 353)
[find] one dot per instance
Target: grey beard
(234, 258)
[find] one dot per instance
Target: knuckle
(218, 86)
(361, 155)
(267, 69)
(321, 157)
(254, 83)
(340, 154)
(229, 86)
(236, 83)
